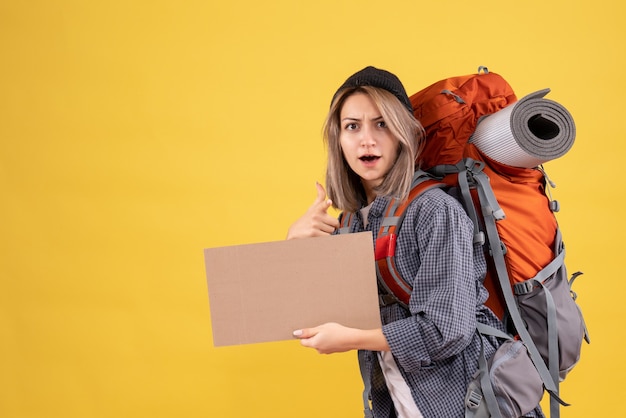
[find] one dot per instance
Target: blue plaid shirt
(434, 343)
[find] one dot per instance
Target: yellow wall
(133, 134)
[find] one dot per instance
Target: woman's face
(367, 143)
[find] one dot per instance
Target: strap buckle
(473, 400)
(523, 288)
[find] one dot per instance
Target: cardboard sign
(263, 292)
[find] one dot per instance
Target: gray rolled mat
(527, 133)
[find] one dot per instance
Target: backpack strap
(574, 296)
(345, 221)
(527, 287)
(367, 384)
(468, 202)
(386, 270)
(469, 171)
(396, 289)
(552, 328)
(474, 398)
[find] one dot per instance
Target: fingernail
(297, 333)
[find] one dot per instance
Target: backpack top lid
(450, 109)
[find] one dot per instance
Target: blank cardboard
(263, 292)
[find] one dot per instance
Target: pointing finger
(321, 193)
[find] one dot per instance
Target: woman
(421, 361)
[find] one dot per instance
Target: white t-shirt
(398, 389)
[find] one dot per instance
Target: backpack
(526, 278)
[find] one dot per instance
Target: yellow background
(133, 134)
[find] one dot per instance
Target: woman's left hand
(327, 338)
(335, 338)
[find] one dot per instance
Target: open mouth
(369, 158)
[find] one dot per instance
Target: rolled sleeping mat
(527, 133)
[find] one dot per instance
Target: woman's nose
(367, 137)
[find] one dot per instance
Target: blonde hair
(343, 185)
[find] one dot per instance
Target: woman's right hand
(316, 221)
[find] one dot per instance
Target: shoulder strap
(388, 275)
(474, 398)
(345, 221)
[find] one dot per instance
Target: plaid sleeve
(435, 249)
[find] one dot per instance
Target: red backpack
(513, 218)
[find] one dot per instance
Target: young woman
(421, 361)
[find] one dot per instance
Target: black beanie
(371, 76)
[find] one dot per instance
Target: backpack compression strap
(386, 270)
(473, 398)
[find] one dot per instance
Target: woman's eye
(382, 124)
(351, 126)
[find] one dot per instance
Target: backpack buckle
(523, 288)
(473, 400)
